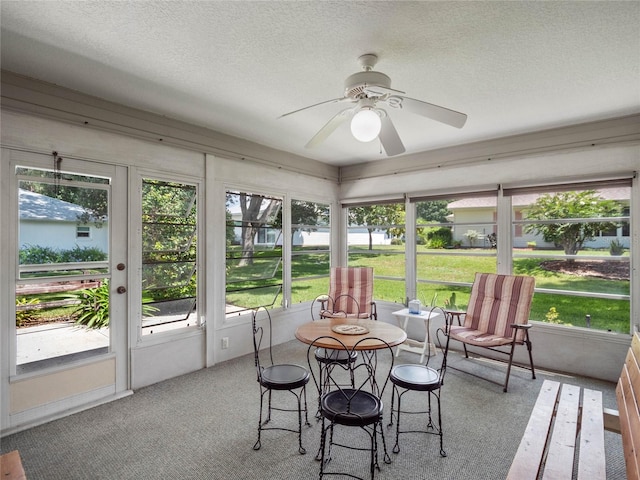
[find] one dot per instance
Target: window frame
(348, 252)
(285, 248)
(328, 251)
(138, 175)
(583, 186)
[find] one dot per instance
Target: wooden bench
(567, 425)
(11, 467)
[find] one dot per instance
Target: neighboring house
(53, 223)
(477, 213)
(318, 237)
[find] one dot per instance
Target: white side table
(423, 347)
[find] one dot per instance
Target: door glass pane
(169, 256)
(63, 277)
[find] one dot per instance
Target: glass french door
(71, 263)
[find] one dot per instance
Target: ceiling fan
(370, 91)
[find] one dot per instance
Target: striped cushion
(350, 292)
(496, 302)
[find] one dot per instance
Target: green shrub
(28, 314)
(440, 237)
(93, 309)
(438, 242)
(396, 241)
(86, 254)
(443, 233)
(616, 248)
(37, 255)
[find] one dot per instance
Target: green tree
(434, 211)
(229, 232)
(373, 217)
(93, 200)
(571, 235)
(304, 214)
(257, 212)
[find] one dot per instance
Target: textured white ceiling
(235, 66)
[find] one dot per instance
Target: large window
(575, 241)
(455, 238)
(376, 238)
(253, 251)
(310, 254)
(169, 255)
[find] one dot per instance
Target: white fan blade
(333, 100)
(434, 112)
(389, 137)
(330, 127)
(379, 91)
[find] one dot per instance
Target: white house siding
(317, 238)
(473, 219)
(61, 235)
(480, 210)
(50, 222)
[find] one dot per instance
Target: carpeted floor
(203, 426)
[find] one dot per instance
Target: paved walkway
(48, 341)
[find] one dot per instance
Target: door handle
(121, 289)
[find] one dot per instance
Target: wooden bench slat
(548, 446)
(562, 446)
(591, 465)
(626, 418)
(628, 394)
(611, 420)
(11, 466)
(527, 460)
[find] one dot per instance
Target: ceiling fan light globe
(365, 125)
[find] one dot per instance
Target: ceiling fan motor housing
(356, 84)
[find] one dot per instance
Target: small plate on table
(350, 329)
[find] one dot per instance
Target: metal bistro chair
(420, 378)
(284, 377)
(349, 289)
(359, 405)
(327, 358)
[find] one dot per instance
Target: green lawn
(457, 266)
(606, 314)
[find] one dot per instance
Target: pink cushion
(496, 302)
(350, 292)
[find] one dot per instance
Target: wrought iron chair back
(356, 405)
(277, 377)
(421, 378)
